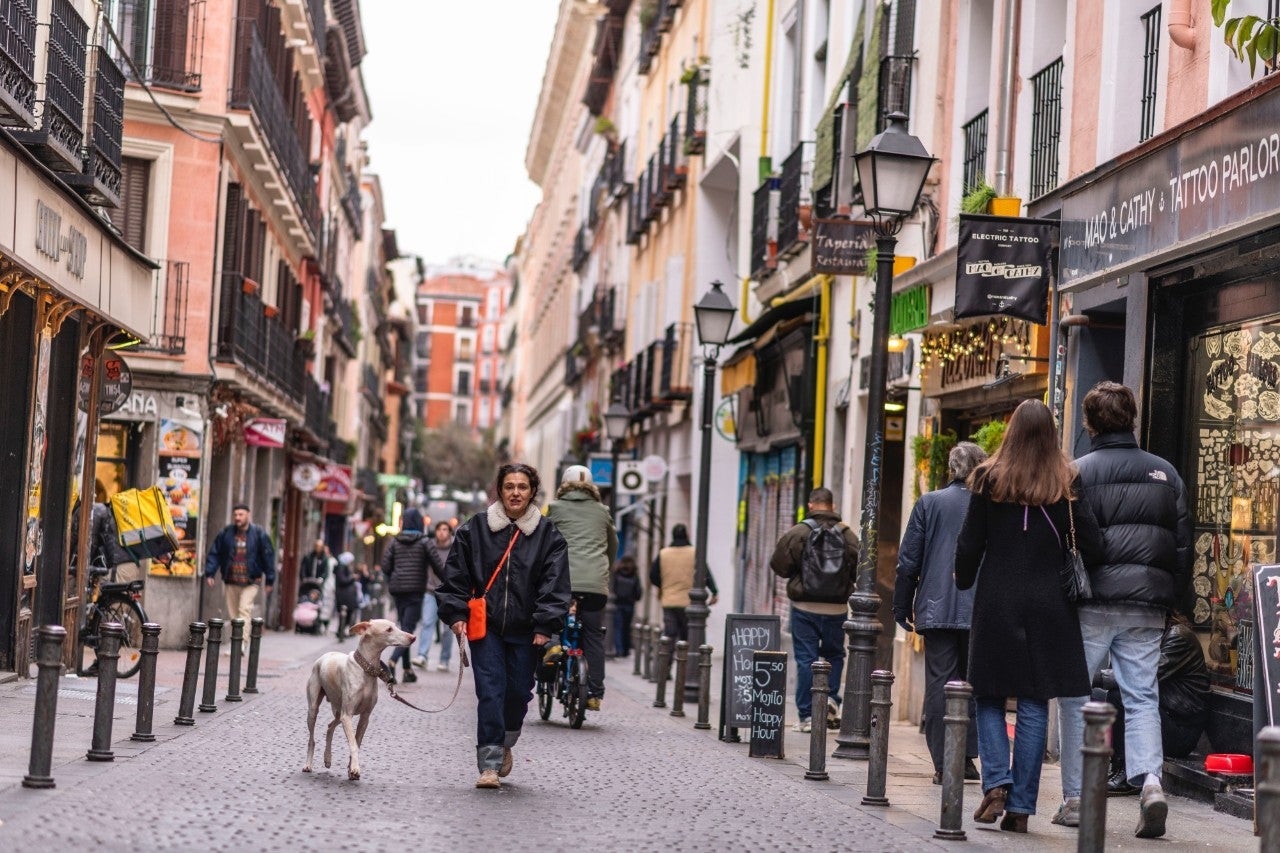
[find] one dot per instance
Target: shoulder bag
(478, 618)
(1075, 577)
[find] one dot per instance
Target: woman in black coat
(1025, 641)
(346, 593)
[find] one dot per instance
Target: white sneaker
(418, 661)
(805, 725)
(442, 667)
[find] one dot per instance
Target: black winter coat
(925, 593)
(1025, 640)
(407, 562)
(1141, 507)
(346, 591)
(532, 592)
(626, 589)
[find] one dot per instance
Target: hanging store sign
(1266, 597)
(968, 356)
(909, 310)
(1220, 175)
(306, 477)
(335, 484)
(115, 382)
(265, 432)
(1003, 267)
(840, 246)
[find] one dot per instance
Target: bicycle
(112, 602)
(565, 678)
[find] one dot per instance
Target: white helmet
(577, 474)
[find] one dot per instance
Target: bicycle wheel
(545, 699)
(577, 704)
(129, 614)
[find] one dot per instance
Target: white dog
(350, 683)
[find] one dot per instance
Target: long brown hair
(1029, 467)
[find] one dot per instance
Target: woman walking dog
(506, 590)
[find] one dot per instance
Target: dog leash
(384, 675)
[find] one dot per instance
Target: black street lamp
(713, 314)
(892, 171)
(617, 418)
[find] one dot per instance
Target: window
(494, 311)
(975, 152)
(424, 313)
(486, 339)
(468, 318)
(164, 39)
(482, 414)
(1046, 125)
(422, 345)
(1150, 72)
(462, 413)
(135, 194)
(466, 348)
(464, 383)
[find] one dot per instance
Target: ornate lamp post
(892, 170)
(617, 418)
(713, 314)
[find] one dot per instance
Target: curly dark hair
(535, 482)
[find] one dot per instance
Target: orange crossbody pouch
(478, 618)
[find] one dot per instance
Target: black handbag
(1075, 577)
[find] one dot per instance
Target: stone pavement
(633, 778)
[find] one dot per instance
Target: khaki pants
(126, 572)
(240, 604)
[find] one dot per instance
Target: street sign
(601, 465)
(654, 467)
(631, 480)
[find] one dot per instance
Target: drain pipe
(1182, 30)
(1011, 14)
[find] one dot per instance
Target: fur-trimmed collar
(497, 517)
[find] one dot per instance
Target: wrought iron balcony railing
(675, 167)
(58, 139)
(99, 183)
(581, 248)
(1046, 127)
(795, 193)
(620, 384)
(17, 63)
(611, 316)
(615, 165)
(344, 312)
(572, 367)
(975, 152)
(589, 324)
(762, 253)
(319, 25)
(164, 40)
(372, 386)
(676, 381)
(353, 205)
(169, 322)
(318, 419)
(893, 88)
(695, 114)
(260, 344)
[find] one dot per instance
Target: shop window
(117, 457)
(1234, 484)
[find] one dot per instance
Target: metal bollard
(636, 650)
(109, 637)
(1098, 717)
(955, 740)
(237, 651)
(878, 760)
(1266, 803)
(677, 695)
(255, 641)
(211, 666)
(147, 683)
(664, 670)
(704, 687)
(191, 675)
(49, 642)
(817, 771)
(651, 658)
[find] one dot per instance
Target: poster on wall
(179, 475)
(1003, 267)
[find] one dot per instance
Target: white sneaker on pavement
(418, 661)
(442, 667)
(804, 725)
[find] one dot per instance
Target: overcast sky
(453, 87)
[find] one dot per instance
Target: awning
(772, 317)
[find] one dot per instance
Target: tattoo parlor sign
(1221, 175)
(1003, 267)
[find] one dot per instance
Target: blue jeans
(814, 635)
(1135, 655)
(503, 668)
(427, 630)
(1029, 737)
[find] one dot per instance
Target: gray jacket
(585, 524)
(926, 583)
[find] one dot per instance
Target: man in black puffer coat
(1141, 506)
(405, 564)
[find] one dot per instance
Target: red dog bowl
(1229, 762)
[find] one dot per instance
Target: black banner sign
(840, 246)
(768, 705)
(1003, 267)
(744, 634)
(1266, 673)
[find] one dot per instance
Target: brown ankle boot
(992, 805)
(1014, 822)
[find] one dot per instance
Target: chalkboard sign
(840, 246)
(744, 633)
(1266, 597)
(768, 704)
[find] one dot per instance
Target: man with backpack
(819, 559)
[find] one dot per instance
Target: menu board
(768, 704)
(744, 634)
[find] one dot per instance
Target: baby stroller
(307, 615)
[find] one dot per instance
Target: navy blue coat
(259, 554)
(926, 585)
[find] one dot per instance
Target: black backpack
(822, 570)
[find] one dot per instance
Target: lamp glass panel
(713, 324)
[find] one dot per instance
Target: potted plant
(648, 13)
(270, 311)
(1006, 206)
(306, 343)
(978, 199)
(605, 127)
(249, 286)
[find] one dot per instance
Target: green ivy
(989, 436)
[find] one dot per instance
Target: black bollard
(817, 771)
(636, 651)
(49, 642)
(191, 675)
(237, 650)
(207, 705)
(955, 741)
(1098, 717)
(255, 640)
(1266, 802)
(651, 658)
(109, 637)
(878, 760)
(147, 683)
(677, 695)
(704, 687)
(664, 670)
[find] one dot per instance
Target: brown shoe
(1014, 822)
(489, 779)
(992, 805)
(505, 770)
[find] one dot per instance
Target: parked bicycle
(108, 601)
(563, 674)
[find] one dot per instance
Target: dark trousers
(408, 614)
(503, 669)
(1178, 738)
(622, 616)
(675, 624)
(946, 658)
(813, 636)
(591, 614)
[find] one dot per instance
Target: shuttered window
(135, 193)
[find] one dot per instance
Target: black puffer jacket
(1141, 507)
(532, 592)
(406, 562)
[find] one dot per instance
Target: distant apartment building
(457, 353)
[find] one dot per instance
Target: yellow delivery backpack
(144, 523)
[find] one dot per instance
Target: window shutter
(135, 190)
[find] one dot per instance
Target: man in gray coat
(925, 598)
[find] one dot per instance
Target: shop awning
(772, 317)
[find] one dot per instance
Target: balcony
(254, 88)
(893, 93)
(589, 325)
(610, 317)
(572, 368)
(676, 380)
(353, 205)
(651, 15)
(607, 50)
(975, 152)
(463, 387)
(675, 169)
(164, 40)
(795, 200)
(99, 183)
(581, 248)
(317, 419)
(764, 228)
(615, 172)
(372, 386)
(695, 124)
(466, 355)
(344, 311)
(169, 322)
(367, 482)
(58, 139)
(1046, 127)
(467, 320)
(260, 344)
(17, 63)
(487, 386)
